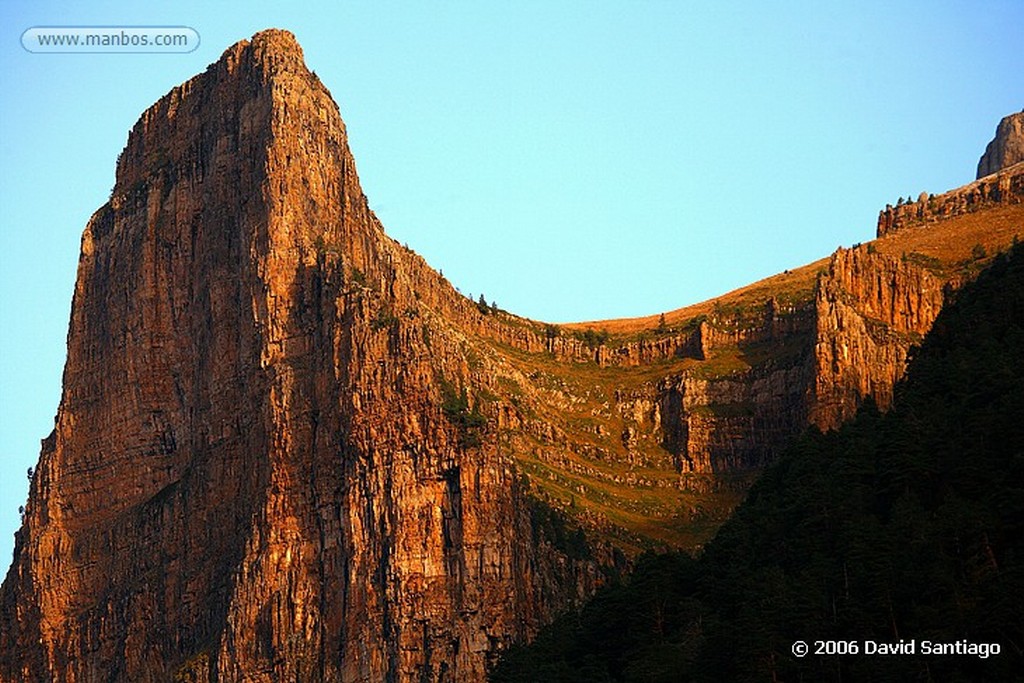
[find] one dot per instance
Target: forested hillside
(902, 529)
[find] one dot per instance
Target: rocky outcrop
(1006, 148)
(871, 309)
(734, 423)
(740, 418)
(1002, 188)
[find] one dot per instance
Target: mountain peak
(1006, 148)
(272, 50)
(258, 98)
(277, 39)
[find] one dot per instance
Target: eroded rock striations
(251, 476)
(871, 309)
(287, 449)
(1006, 148)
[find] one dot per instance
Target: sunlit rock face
(871, 309)
(287, 449)
(251, 476)
(1006, 148)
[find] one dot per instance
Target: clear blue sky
(571, 160)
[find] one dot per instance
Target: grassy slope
(907, 527)
(951, 241)
(638, 492)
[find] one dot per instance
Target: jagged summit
(1006, 148)
(232, 107)
(273, 49)
(274, 40)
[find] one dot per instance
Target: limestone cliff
(871, 309)
(288, 449)
(1006, 148)
(254, 473)
(1003, 187)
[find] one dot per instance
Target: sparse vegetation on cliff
(468, 421)
(904, 526)
(593, 338)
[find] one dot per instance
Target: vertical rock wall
(1006, 148)
(251, 476)
(871, 308)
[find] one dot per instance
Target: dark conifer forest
(903, 529)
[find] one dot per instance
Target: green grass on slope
(902, 528)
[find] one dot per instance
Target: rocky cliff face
(871, 309)
(1003, 187)
(252, 476)
(1006, 148)
(287, 449)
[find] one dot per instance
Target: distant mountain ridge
(289, 449)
